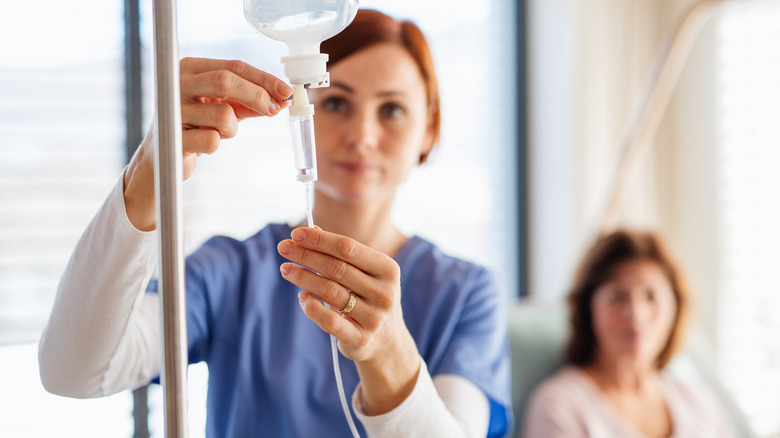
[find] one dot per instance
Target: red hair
(371, 27)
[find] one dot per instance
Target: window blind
(61, 131)
(61, 139)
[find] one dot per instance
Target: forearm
(99, 292)
(451, 406)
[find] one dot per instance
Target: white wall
(688, 174)
(588, 62)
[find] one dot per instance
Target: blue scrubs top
(270, 367)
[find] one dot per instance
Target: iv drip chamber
(302, 124)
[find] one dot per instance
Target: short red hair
(371, 27)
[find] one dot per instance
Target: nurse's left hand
(373, 334)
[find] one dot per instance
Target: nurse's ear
(429, 141)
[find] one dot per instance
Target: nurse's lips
(356, 168)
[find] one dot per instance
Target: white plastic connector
(307, 69)
(300, 102)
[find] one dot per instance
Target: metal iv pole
(168, 175)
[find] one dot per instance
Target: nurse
(422, 334)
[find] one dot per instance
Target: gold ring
(350, 304)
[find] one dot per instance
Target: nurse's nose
(363, 131)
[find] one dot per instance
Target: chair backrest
(537, 336)
(537, 333)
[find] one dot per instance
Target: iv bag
(301, 24)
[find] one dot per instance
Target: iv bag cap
(306, 69)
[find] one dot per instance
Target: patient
(628, 311)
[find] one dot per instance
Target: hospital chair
(537, 334)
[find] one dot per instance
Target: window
(62, 130)
(750, 210)
(61, 123)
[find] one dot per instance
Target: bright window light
(749, 56)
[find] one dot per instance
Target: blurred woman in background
(629, 308)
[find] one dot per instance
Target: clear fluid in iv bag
(300, 22)
(301, 28)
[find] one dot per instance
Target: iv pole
(168, 175)
(669, 61)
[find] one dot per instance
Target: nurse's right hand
(215, 96)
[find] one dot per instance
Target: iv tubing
(309, 189)
(337, 371)
(333, 343)
(309, 186)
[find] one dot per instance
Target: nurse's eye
(334, 105)
(392, 111)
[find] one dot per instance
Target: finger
(277, 88)
(366, 259)
(327, 266)
(200, 141)
(217, 116)
(243, 112)
(329, 321)
(240, 111)
(260, 92)
(223, 84)
(328, 291)
(325, 289)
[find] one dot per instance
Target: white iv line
(309, 185)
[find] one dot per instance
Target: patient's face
(633, 312)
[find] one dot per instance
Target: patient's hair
(597, 267)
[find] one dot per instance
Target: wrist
(138, 191)
(387, 380)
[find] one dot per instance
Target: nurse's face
(633, 313)
(371, 125)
